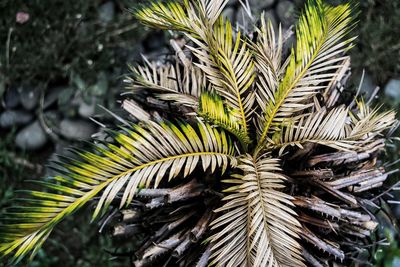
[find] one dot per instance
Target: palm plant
(266, 164)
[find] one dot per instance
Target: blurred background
(60, 61)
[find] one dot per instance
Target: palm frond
(170, 82)
(338, 128)
(368, 123)
(321, 41)
(212, 9)
(135, 110)
(229, 67)
(213, 109)
(180, 15)
(226, 61)
(268, 61)
(320, 127)
(166, 15)
(139, 157)
(258, 226)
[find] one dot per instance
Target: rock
(243, 19)
(107, 12)
(11, 98)
(53, 95)
(61, 148)
(259, 5)
(29, 97)
(87, 110)
(154, 42)
(368, 86)
(269, 15)
(11, 118)
(285, 10)
(2, 86)
(229, 13)
(392, 89)
(77, 129)
(53, 119)
(32, 137)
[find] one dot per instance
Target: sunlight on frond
(141, 157)
(321, 39)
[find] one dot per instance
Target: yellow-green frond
(137, 157)
(228, 64)
(186, 16)
(166, 15)
(320, 43)
(256, 226)
(224, 58)
(213, 109)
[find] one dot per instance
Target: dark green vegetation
(84, 47)
(378, 45)
(62, 39)
(77, 59)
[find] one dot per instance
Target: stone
(368, 86)
(87, 110)
(243, 19)
(77, 129)
(285, 10)
(396, 261)
(53, 95)
(154, 42)
(10, 118)
(11, 98)
(269, 15)
(259, 5)
(229, 13)
(32, 137)
(53, 118)
(107, 12)
(2, 86)
(392, 89)
(29, 97)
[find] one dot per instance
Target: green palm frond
(139, 157)
(171, 15)
(179, 84)
(258, 226)
(229, 67)
(320, 44)
(213, 109)
(180, 15)
(338, 128)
